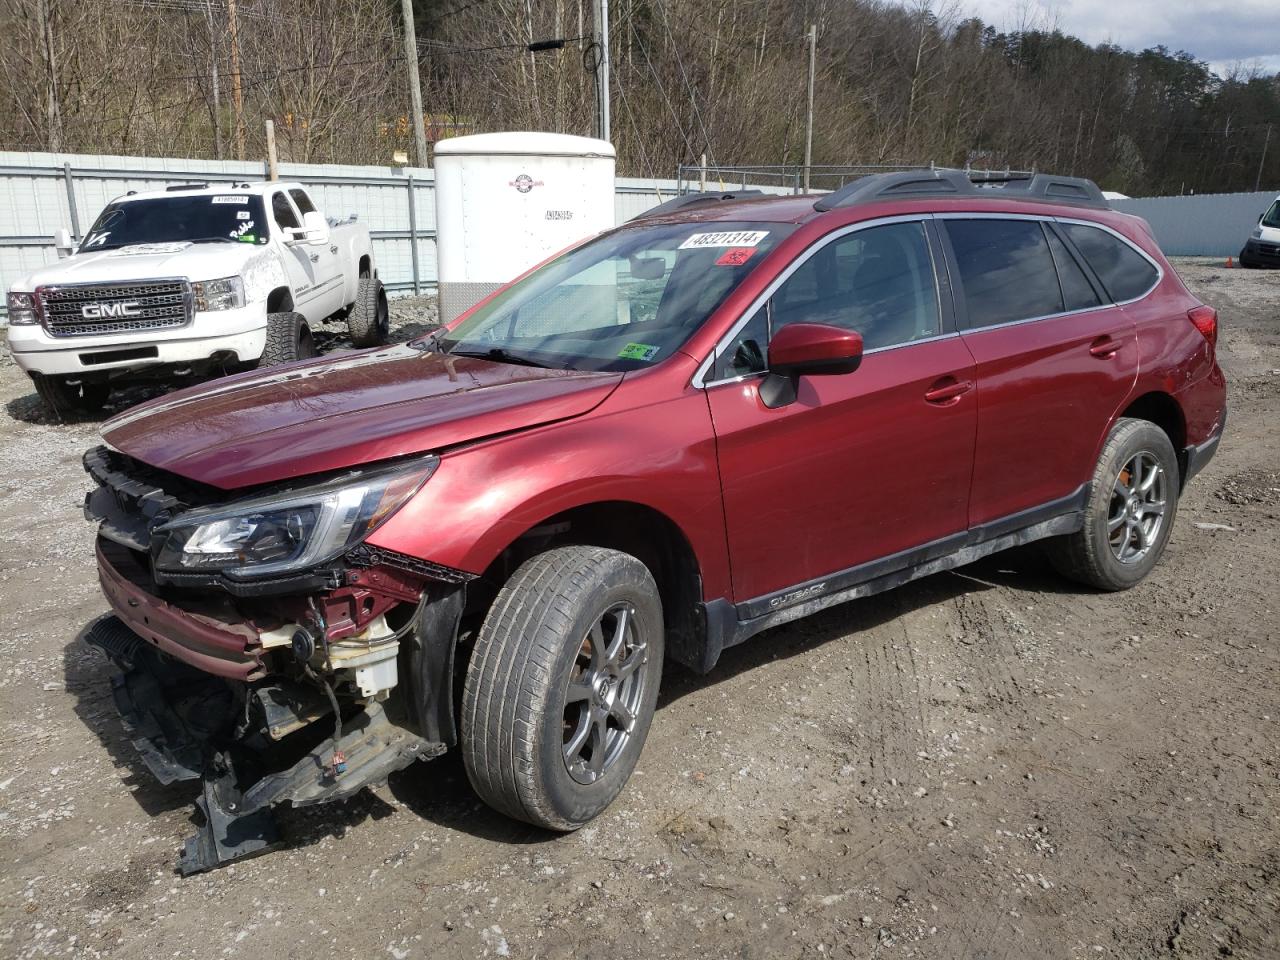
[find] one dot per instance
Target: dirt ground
(986, 763)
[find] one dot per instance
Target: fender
(660, 455)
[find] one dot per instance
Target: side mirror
(807, 349)
(315, 227)
(62, 243)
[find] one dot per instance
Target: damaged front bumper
(298, 692)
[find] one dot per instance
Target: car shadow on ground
(438, 791)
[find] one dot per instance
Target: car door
(860, 469)
(1054, 362)
(330, 280)
(306, 263)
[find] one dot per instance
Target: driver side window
(282, 210)
(878, 281)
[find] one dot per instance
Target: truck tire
(288, 338)
(369, 321)
(562, 684)
(63, 395)
(1133, 499)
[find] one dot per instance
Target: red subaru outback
(719, 417)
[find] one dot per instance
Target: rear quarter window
(1125, 273)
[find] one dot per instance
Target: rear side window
(1006, 270)
(1077, 291)
(1125, 273)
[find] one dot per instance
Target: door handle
(947, 391)
(1104, 348)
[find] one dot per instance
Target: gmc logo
(99, 311)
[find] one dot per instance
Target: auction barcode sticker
(229, 198)
(730, 238)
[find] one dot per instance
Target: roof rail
(689, 199)
(911, 184)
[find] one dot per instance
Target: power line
(697, 113)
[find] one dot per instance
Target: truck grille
(86, 310)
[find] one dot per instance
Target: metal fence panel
(1204, 225)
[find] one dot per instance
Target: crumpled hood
(345, 411)
(196, 261)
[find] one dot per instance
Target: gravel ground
(985, 763)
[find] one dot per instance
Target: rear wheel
(288, 338)
(67, 395)
(1129, 515)
(369, 320)
(562, 684)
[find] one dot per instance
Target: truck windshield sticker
(97, 239)
(638, 351)
(730, 238)
(229, 198)
(247, 238)
(735, 256)
(242, 230)
(243, 214)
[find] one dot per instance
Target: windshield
(1272, 217)
(230, 217)
(623, 301)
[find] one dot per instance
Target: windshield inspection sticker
(229, 198)
(638, 351)
(735, 256)
(730, 238)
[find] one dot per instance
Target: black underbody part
(252, 746)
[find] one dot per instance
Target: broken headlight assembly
(288, 531)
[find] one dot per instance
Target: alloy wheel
(1138, 502)
(604, 691)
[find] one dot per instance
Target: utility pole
(273, 168)
(237, 97)
(1257, 183)
(415, 82)
(808, 135)
(602, 69)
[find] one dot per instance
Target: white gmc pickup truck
(191, 281)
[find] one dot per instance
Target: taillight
(1206, 321)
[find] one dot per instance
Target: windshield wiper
(499, 354)
(211, 240)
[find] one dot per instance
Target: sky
(1219, 32)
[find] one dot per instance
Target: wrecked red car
(724, 415)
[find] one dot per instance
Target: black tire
(288, 339)
(369, 321)
(64, 395)
(1245, 262)
(516, 697)
(1092, 556)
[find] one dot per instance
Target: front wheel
(65, 395)
(562, 684)
(1133, 499)
(288, 339)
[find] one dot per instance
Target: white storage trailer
(507, 201)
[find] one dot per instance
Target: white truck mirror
(62, 243)
(315, 227)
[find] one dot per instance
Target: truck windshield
(623, 301)
(230, 217)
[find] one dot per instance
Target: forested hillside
(894, 84)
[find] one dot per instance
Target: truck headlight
(1256, 235)
(224, 294)
(22, 308)
(288, 531)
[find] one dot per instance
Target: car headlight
(1256, 235)
(224, 294)
(287, 532)
(22, 308)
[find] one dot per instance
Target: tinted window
(280, 209)
(1077, 292)
(1123, 271)
(303, 201)
(1006, 270)
(878, 282)
(197, 218)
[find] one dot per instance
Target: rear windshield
(623, 301)
(1272, 217)
(220, 217)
